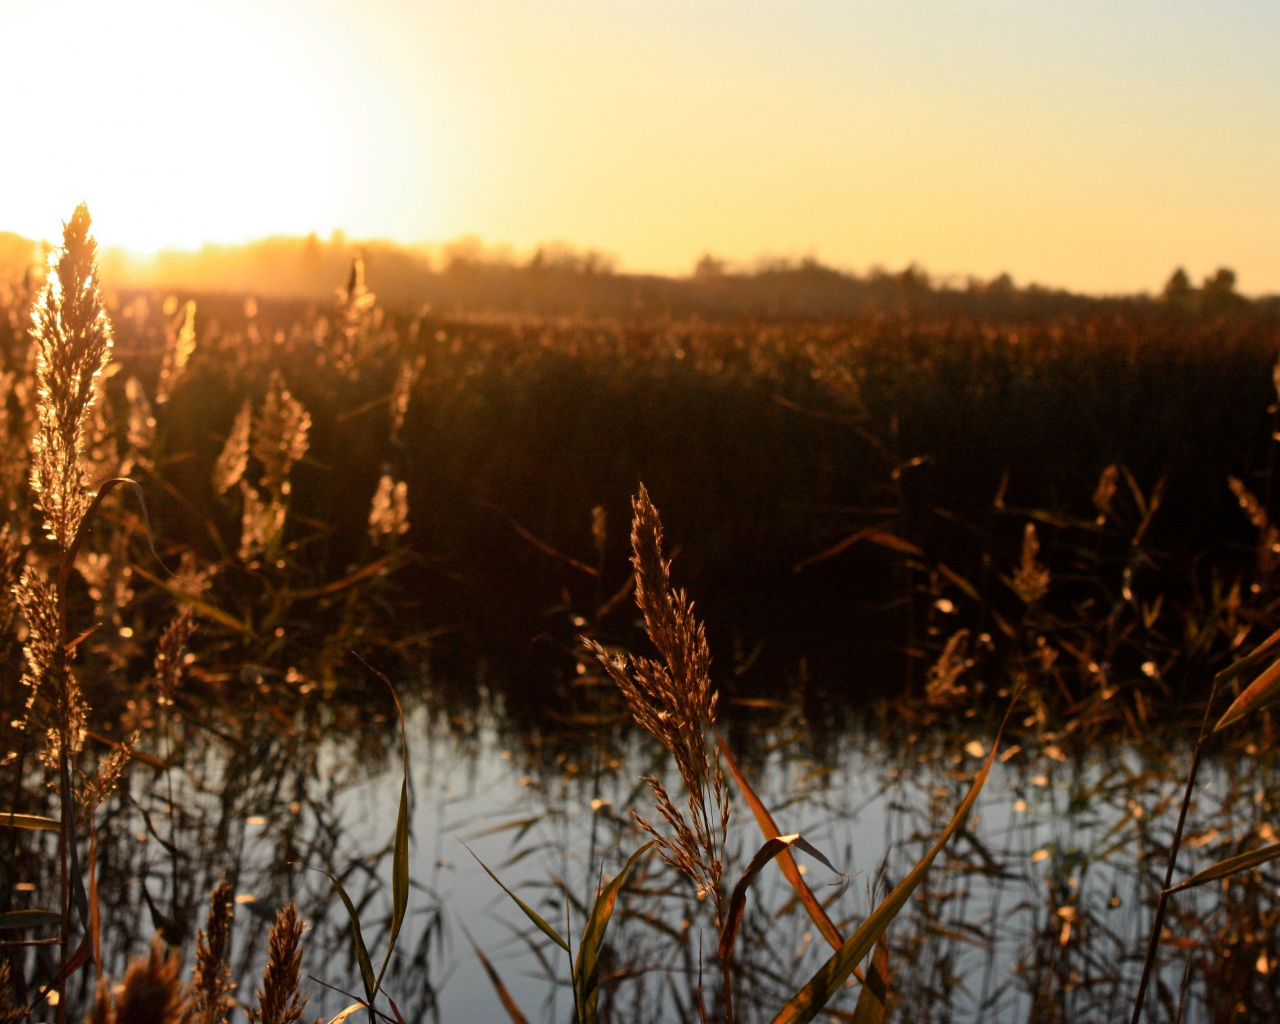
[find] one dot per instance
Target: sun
(177, 122)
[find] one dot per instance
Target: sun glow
(177, 123)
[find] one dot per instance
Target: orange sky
(1091, 145)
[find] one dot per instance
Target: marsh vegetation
(299, 598)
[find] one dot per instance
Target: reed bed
(212, 504)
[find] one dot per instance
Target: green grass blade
(31, 821)
(809, 1001)
(362, 952)
(584, 976)
(786, 862)
(1230, 866)
(508, 1004)
(19, 919)
(400, 845)
(529, 912)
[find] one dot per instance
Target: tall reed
(674, 701)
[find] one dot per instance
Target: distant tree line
(559, 280)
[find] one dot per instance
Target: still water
(1038, 910)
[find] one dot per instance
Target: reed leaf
(15, 920)
(808, 1002)
(344, 1013)
(786, 861)
(29, 821)
(873, 1000)
(508, 1004)
(399, 871)
(585, 978)
(1257, 693)
(773, 847)
(529, 912)
(362, 951)
(400, 846)
(1231, 866)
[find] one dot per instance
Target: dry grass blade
(873, 1001)
(29, 821)
(15, 920)
(883, 538)
(1231, 866)
(508, 1004)
(1259, 692)
(345, 1012)
(738, 902)
(773, 847)
(808, 1002)
(786, 861)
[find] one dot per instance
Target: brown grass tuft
(152, 992)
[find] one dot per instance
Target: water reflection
(1038, 910)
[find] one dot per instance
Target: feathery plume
(279, 998)
(1031, 579)
(1268, 534)
(1105, 492)
(674, 701)
(152, 992)
(169, 665)
(389, 514)
(233, 460)
(211, 980)
(181, 343)
(357, 319)
(54, 700)
(409, 372)
(10, 1012)
(943, 686)
(279, 435)
(72, 340)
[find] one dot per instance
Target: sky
(1089, 145)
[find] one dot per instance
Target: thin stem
(1153, 945)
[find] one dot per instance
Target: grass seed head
(72, 341)
(674, 701)
(211, 979)
(279, 999)
(153, 991)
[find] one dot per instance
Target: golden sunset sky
(1088, 145)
